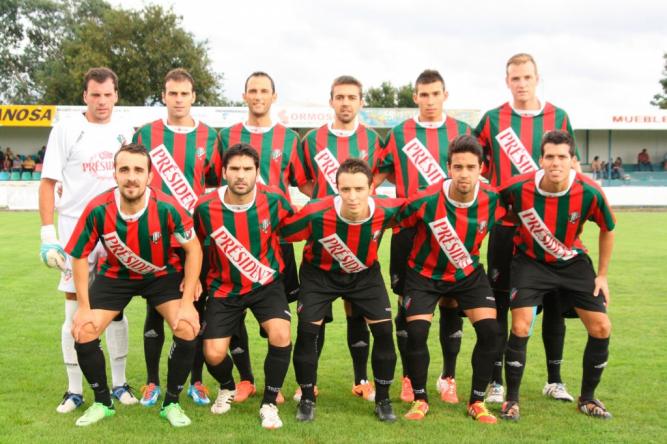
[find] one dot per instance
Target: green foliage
(660, 99)
(388, 96)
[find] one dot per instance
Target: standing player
(185, 157)
(451, 219)
(343, 234)
(241, 220)
(415, 155)
(135, 223)
(324, 149)
(279, 165)
(511, 136)
(552, 205)
(80, 155)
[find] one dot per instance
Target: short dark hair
(133, 148)
(429, 76)
(558, 137)
(465, 143)
(347, 80)
(260, 74)
(353, 166)
(240, 149)
(100, 75)
(178, 75)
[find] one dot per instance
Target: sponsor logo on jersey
(99, 165)
(424, 161)
(450, 243)
(240, 257)
(342, 253)
(573, 217)
(328, 166)
(155, 237)
(276, 154)
(516, 151)
(200, 152)
(540, 232)
(127, 257)
(172, 175)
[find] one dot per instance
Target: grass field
(633, 387)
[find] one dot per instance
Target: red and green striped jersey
(550, 223)
(449, 233)
(417, 153)
(334, 243)
(183, 162)
(511, 141)
(138, 245)
(324, 149)
(278, 149)
(244, 252)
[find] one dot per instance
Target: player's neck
(439, 117)
(362, 215)
(527, 105)
(554, 187)
(344, 126)
(130, 208)
(231, 198)
(186, 121)
(457, 196)
(92, 119)
(263, 121)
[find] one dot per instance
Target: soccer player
(184, 153)
(279, 165)
(342, 236)
(324, 149)
(80, 154)
(552, 205)
(511, 136)
(451, 219)
(135, 223)
(415, 156)
(241, 221)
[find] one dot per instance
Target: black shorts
(401, 245)
(499, 256)
(223, 315)
(114, 294)
(290, 273)
(573, 280)
(365, 290)
(422, 294)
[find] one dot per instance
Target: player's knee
(213, 354)
(184, 331)
(487, 331)
(600, 329)
(87, 333)
(521, 322)
(280, 336)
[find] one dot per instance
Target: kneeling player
(552, 205)
(135, 223)
(451, 220)
(343, 234)
(241, 220)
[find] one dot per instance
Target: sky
(593, 56)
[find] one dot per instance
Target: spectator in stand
(40, 154)
(617, 171)
(644, 161)
(9, 154)
(29, 164)
(2, 160)
(664, 162)
(596, 167)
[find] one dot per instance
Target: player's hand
(82, 317)
(50, 252)
(601, 286)
(187, 313)
(198, 289)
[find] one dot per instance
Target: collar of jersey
(528, 112)
(343, 133)
(131, 217)
(430, 125)
(445, 189)
(539, 174)
(258, 129)
(181, 129)
(235, 208)
(338, 202)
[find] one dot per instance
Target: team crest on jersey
(155, 237)
(200, 152)
(377, 235)
(265, 225)
(363, 154)
(276, 154)
(482, 226)
(121, 139)
(573, 217)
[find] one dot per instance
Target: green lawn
(33, 377)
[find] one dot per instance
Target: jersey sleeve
(411, 213)
(297, 227)
(295, 169)
(85, 235)
(198, 222)
(306, 172)
(483, 134)
(386, 160)
(284, 207)
(601, 212)
(392, 209)
(182, 225)
(213, 164)
(56, 154)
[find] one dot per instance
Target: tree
(388, 96)
(660, 99)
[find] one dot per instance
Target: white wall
(23, 140)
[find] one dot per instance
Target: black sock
(238, 348)
(222, 373)
(93, 367)
(153, 342)
(275, 369)
(383, 358)
(198, 362)
(305, 358)
(418, 357)
(451, 332)
(515, 362)
(482, 357)
(595, 360)
(402, 337)
(502, 311)
(320, 346)
(179, 366)
(358, 339)
(553, 336)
